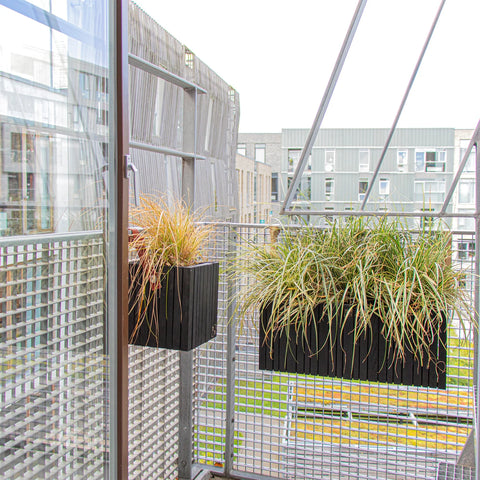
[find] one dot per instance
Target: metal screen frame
(253, 424)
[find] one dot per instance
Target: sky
(279, 55)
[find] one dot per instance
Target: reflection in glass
(54, 141)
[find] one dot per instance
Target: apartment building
(416, 173)
(254, 190)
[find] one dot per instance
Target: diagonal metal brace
(323, 107)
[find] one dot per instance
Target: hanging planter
(332, 351)
(365, 300)
(180, 310)
(173, 293)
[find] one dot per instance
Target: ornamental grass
(358, 266)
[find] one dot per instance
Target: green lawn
(459, 362)
(208, 446)
(255, 397)
(271, 398)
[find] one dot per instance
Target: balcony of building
(246, 423)
(77, 402)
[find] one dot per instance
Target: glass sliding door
(56, 147)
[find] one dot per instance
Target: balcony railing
(53, 372)
(296, 426)
(247, 423)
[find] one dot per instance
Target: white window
(430, 161)
(364, 161)
(242, 149)
(384, 186)
(466, 250)
(428, 222)
(470, 165)
(293, 158)
(402, 160)
(329, 186)
(466, 192)
(294, 155)
(274, 189)
(189, 58)
(362, 188)
(464, 223)
(429, 191)
(307, 188)
(329, 160)
(260, 152)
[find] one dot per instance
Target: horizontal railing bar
(264, 226)
(163, 73)
(48, 238)
(237, 475)
(353, 213)
(166, 151)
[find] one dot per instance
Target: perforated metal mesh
(153, 413)
(53, 376)
(305, 427)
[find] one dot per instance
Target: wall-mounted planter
(370, 358)
(182, 313)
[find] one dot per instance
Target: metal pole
(117, 291)
(185, 434)
(473, 142)
(358, 213)
(402, 104)
(230, 374)
(477, 309)
(312, 135)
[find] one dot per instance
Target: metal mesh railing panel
(211, 370)
(153, 413)
(297, 426)
(53, 377)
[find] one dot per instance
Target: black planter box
(182, 314)
(370, 358)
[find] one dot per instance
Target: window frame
(364, 166)
(424, 164)
(384, 191)
(331, 182)
(331, 162)
(402, 160)
(361, 194)
(242, 147)
(260, 147)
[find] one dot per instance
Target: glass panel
(260, 152)
(384, 186)
(466, 192)
(275, 187)
(330, 160)
(470, 165)
(54, 138)
(427, 191)
(420, 161)
(362, 189)
(402, 160)
(329, 186)
(293, 158)
(242, 149)
(363, 161)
